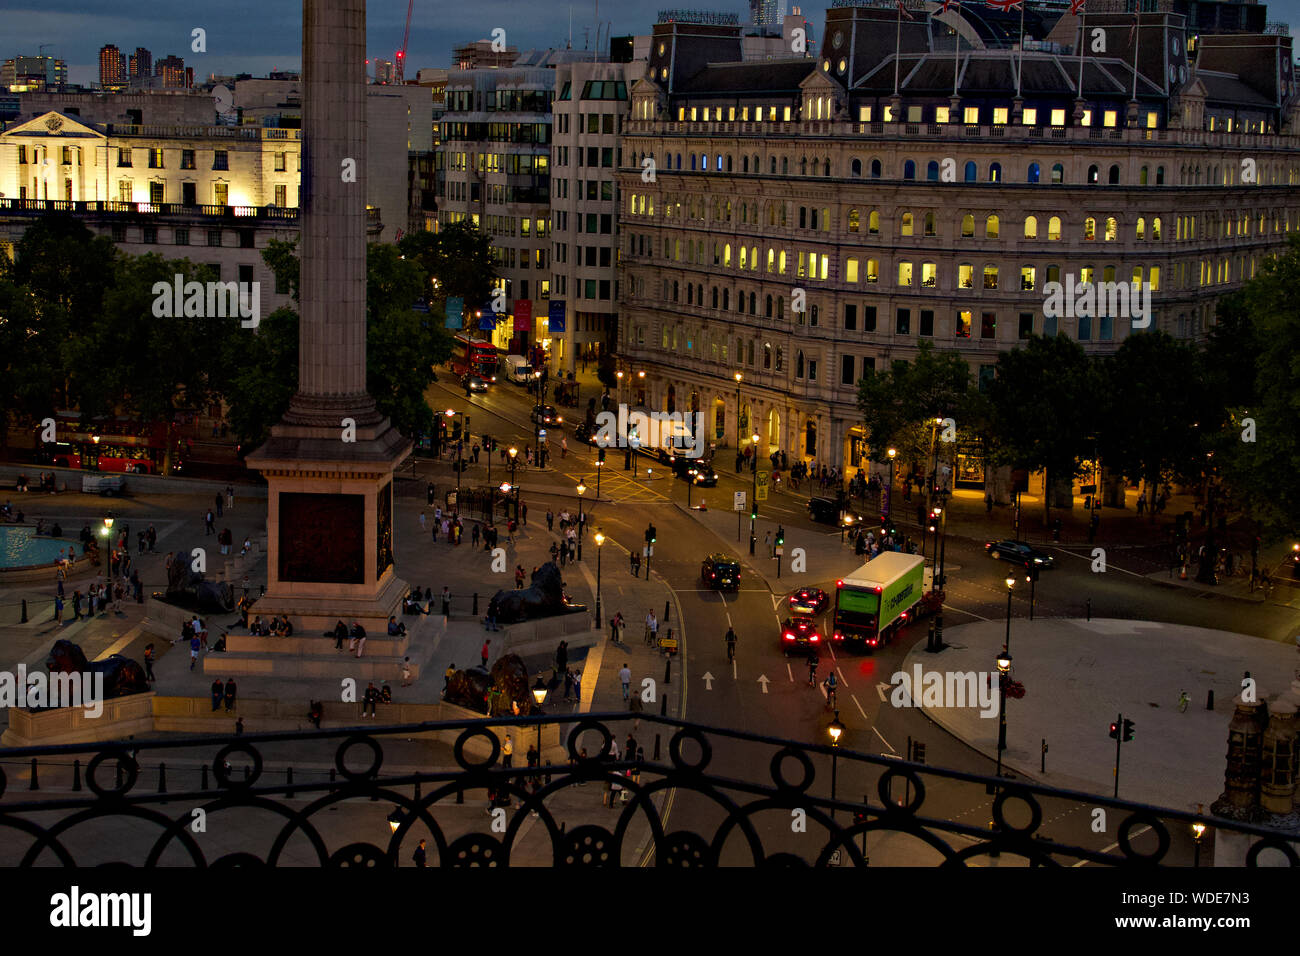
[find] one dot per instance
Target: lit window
(1028, 278)
(1031, 227)
(963, 324)
(905, 274)
(907, 224)
(941, 114)
(1109, 119)
(999, 116)
(1058, 117)
(1086, 119)
(971, 115)
(990, 277)
(851, 270)
(929, 275)
(1030, 116)
(965, 276)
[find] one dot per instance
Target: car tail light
(838, 636)
(815, 638)
(789, 636)
(872, 642)
(877, 590)
(904, 615)
(839, 584)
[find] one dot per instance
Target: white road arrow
(881, 689)
(708, 681)
(763, 680)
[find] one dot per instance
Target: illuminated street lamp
(514, 454)
(1004, 666)
(753, 505)
(1198, 831)
(600, 540)
(889, 498)
(582, 490)
(395, 819)
(739, 378)
(835, 729)
(1011, 583)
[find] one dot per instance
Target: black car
(829, 511)
(474, 383)
(799, 632)
(809, 601)
(546, 415)
(704, 477)
(1018, 553)
(721, 572)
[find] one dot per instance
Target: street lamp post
(582, 490)
(690, 485)
(1011, 583)
(107, 532)
(889, 496)
(600, 541)
(835, 730)
(598, 464)
(1004, 667)
(460, 445)
(739, 379)
(514, 455)
(539, 696)
(1198, 831)
(753, 505)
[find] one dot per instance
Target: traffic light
(780, 535)
(1128, 730)
(1114, 730)
(753, 514)
(600, 456)
(650, 534)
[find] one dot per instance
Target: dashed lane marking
(859, 706)
(884, 741)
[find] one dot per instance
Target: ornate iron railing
(681, 806)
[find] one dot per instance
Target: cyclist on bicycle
(731, 644)
(812, 668)
(831, 684)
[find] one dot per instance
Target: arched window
(754, 163)
(967, 226)
(826, 168)
(1093, 173)
(744, 258)
(1155, 229)
(773, 165)
(855, 169)
(1113, 176)
(744, 164)
(854, 220)
(690, 294)
(971, 173)
(1031, 227)
(909, 170)
(692, 160)
(1160, 175)
(932, 171)
(929, 224)
(826, 219)
(1090, 228)
(767, 347)
(728, 162)
(995, 172)
(803, 166)
(991, 227)
(1054, 229)
(1032, 175)
(1058, 174)
(767, 361)
(726, 255)
(1141, 228)
(873, 223)
(875, 169)
(1142, 176)
(785, 165)
(704, 161)
(675, 290)
(753, 310)
(679, 160)
(798, 364)
(907, 227)
(726, 299)
(1112, 229)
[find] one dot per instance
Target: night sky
(256, 36)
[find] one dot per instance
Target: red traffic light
(1114, 730)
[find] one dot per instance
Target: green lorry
(878, 598)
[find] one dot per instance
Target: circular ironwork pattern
(884, 787)
(778, 769)
(462, 756)
(999, 811)
(606, 738)
(240, 861)
(1126, 833)
(1271, 843)
(685, 850)
(219, 764)
(588, 845)
(359, 856)
(474, 849)
(121, 758)
(376, 758)
(675, 750)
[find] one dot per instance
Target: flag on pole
(903, 10)
(455, 311)
(1006, 6)
(1076, 7)
(949, 3)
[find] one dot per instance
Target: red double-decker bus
(472, 356)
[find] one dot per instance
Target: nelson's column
(329, 462)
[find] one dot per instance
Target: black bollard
(656, 756)
(1209, 700)
(35, 785)
(248, 772)
(203, 778)
(24, 620)
(417, 790)
(460, 796)
(76, 775)
(668, 671)
(667, 608)
(288, 782)
(476, 604)
(162, 778)
(1088, 609)
(663, 705)
(333, 776)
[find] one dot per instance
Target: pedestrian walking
(483, 652)
(446, 602)
(625, 678)
(58, 610)
(651, 628)
(218, 693)
(564, 447)
(419, 857)
(550, 520)
(208, 524)
(523, 512)
(422, 526)
(406, 672)
(474, 535)
(615, 626)
(148, 663)
(519, 577)
(218, 503)
(507, 751)
(988, 503)
(194, 651)
(230, 695)
(230, 498)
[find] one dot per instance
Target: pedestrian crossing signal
(1128, 730)
(1114, 730)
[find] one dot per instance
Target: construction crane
(400, 69)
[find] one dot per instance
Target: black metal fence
(699, 796)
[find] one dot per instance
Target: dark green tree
(899, 403)
(456, 261)
(1044, 409)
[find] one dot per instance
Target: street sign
(541, 433)
(779, 551)
(760, 493)
(763, 477)
(835, 858)
(647, 551)
(739, 501)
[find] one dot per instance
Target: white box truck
(878, 598)
(518, 370)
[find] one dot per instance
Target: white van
(518, 370)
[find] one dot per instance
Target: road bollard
(288, 782)
(34, 785)
(1209, 700)
(663, 705)
(203, 777)
(1088, 609)
(76, 775)
(162, 778)
(476, 604)
(24, 620)
(668, 671)
(656, 756)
